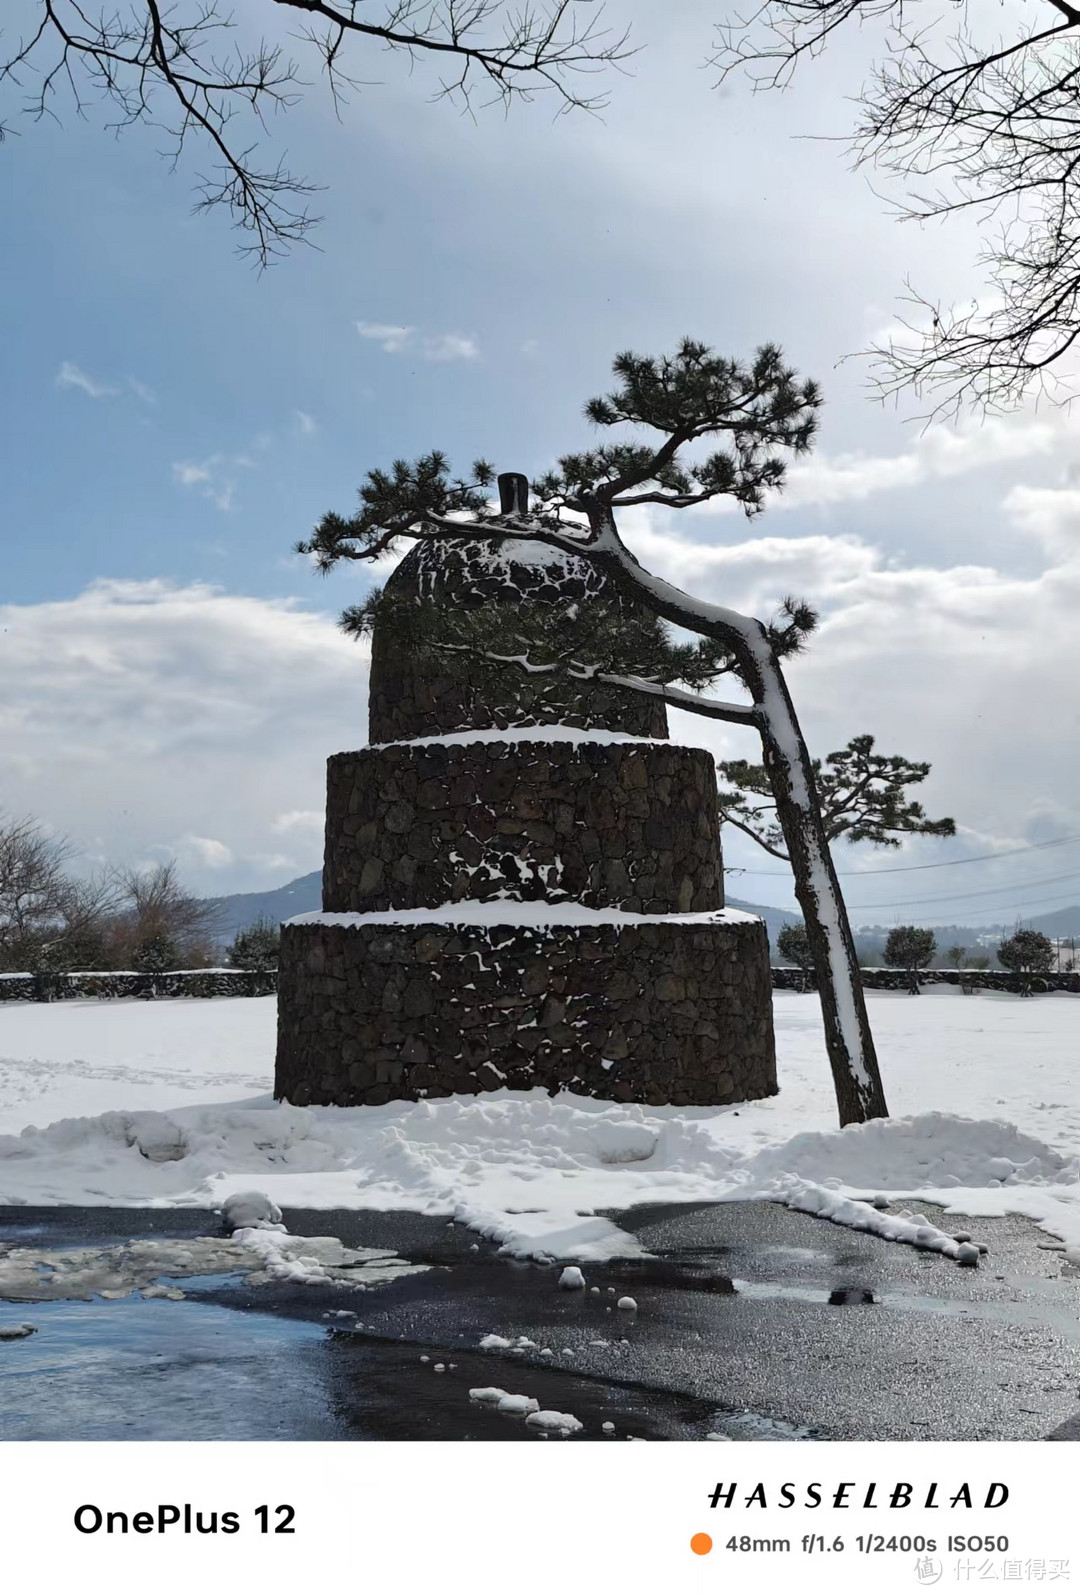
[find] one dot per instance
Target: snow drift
(530, 1171)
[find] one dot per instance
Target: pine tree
(761, 413)
(862, 796)
(155, 954)
(1027, 953)
(258, 946)
(794, 944)
(910, 948)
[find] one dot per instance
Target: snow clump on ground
(250, 1210)
(554, 1422)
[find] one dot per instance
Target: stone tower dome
(412, 695)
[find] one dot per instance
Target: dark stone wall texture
(678, 1013)
(414, 693)
(654, 1010)
(613, 825)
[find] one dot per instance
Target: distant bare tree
(159, 921)
(48, 919)
(31, 878)
(188, 70)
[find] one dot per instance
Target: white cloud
(299, 820)
(189, 475)
(393, 340)
(441, 346)
(306, 424)
(71, 376)
(966, 666)
(141, 711)
(451, 346)
(1052, 515)
(206, 850)
(213, 477)
(143, 719)
(938, 453)
(759, 569)
(141, 391)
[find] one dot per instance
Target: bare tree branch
(185, 70)
(971, 119)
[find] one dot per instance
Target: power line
(951, 863)
(959, 897)
(1016, 911)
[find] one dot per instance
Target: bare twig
(162, 65)
(971, 120)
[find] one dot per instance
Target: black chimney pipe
(513, 493)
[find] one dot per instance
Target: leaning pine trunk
(850, 1045)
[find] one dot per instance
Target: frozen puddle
(121, 1350)
(162, 1370)
(154, 1267)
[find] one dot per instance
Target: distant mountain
(304, 895)
(237, 913)
(775, 918)
(1062, 922)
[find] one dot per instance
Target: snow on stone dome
(416, 693)
(519, 568)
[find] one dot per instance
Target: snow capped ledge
(504, 911)
(536, 733)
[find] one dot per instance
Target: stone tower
(522, 882)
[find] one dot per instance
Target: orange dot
(701, 1544)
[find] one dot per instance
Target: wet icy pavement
(753, 1322)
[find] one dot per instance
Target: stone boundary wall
(785, 979)
(110, 983)
(118, 984)
(608, 825)
(632, 1013)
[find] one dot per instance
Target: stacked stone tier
(663, 1011)
(607, 824)
(522, 883)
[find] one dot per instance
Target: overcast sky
(171, 680)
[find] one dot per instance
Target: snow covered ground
(70, 1059)
(167, 1103)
